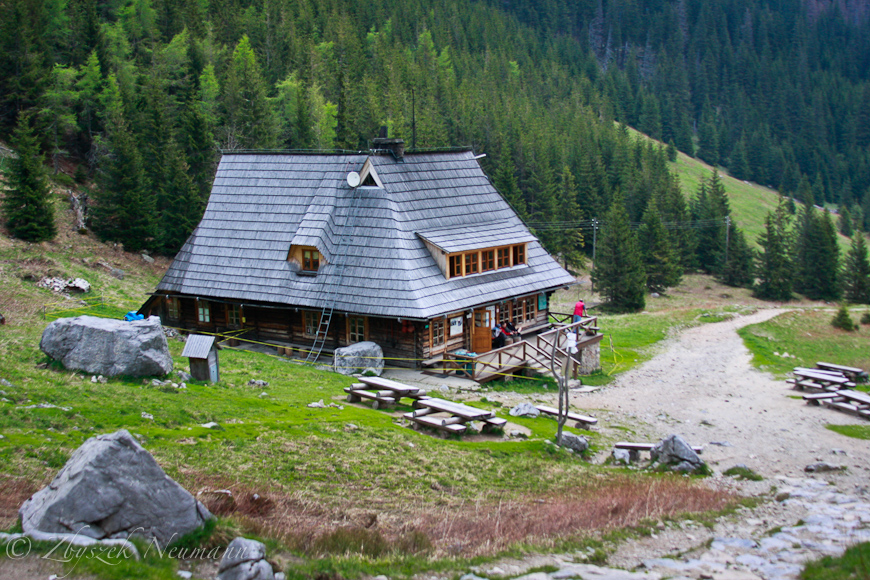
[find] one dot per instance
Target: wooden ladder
(329, 300)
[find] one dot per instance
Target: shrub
(865, 318)
(742, 472)
(842, 320)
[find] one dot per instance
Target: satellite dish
(353, 179)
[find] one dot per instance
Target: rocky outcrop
(102, 346)
(112, 488)
(576, 443)
(245, 560)
(359, 358)
(678, 455)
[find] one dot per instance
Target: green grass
(854, 431)
(853, 564)
(743, 473)
(807, 337)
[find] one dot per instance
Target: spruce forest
(135, 99)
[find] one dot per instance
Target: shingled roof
(372, 238)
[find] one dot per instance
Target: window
(203, 311)
(356, 329)
(234, 315)
(173, 309)
(310, 321)
(464, 264)
(505, 312)
(504, 257)
(456, 265)
(310, 260)
(520, 254)
(529, 308)
(487, 260)
(471, 263)
(436, 327)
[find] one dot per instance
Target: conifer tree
(856, 271)
(618, 271)
(816, 256)
(125, 207)
(660, 259)
(774, 271)
(248, 116)
(182, 207)
(711, 210)
(27, 209)
(738, 268)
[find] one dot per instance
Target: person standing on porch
(579, 310)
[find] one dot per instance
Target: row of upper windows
(487, 260)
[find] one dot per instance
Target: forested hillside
(142, 94)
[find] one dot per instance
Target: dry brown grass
(454, 527)
(14, 491)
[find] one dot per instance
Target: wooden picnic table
(389, 394)
(453, 418)
(847, 400)
(853, 373)
(819, 380)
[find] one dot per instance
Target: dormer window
(488, 260)
(307, 258)
(310, 260)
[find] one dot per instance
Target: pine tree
(27, 208)
(618, 271)
(660, 259)
(774, 271)
(125, 209)
(856, 272)
(711, 210)
(816, 256)
(738, 269)
(249, 119)
(182, 206)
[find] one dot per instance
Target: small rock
(148, 258)
(210, 425)
(117, 273)
(318, 405)
(444, 388)
(524, 410)
(351, 427)
(185, 377)
(280, 576)
(245, 560)
(822, 467)
(264, 394)
(148, 416)
(517, 435)
(6, 383)
(2, 437)
(184, 574)
(622, 456)
(721, 443)
(258, 383)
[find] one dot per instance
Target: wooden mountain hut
(415, 251)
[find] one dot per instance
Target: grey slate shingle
(261, 204)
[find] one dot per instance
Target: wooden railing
(536, 349)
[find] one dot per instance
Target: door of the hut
(481, 331)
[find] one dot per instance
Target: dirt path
(703, 387)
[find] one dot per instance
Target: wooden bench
(581, 420)
(440, 423)
(853, 373)
(815, 399)
(379, 399)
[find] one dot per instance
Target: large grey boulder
(102, 346)
(112, 488)
(245, 560)
(677, 454)
(359, 358)
(576, 443)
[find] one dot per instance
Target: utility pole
(727, 236)
(594, 245)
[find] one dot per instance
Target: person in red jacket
(579, 310)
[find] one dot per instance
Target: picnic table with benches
(819, 380)
(852, 373)
(382, 392)
(849, 401)
(451, 417)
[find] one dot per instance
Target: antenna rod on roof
(413, 120)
